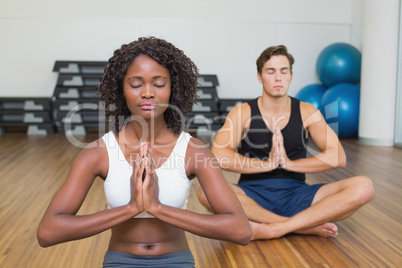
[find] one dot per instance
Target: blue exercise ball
(312, 94)
(339, 63)
(340, 108)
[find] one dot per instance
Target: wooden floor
(33, 167)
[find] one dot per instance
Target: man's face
(276, 76)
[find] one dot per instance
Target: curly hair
(184, 81)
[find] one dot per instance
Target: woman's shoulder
(98, 144)
(199, 158)
(94, 155)
(195, 143)
(198, 151)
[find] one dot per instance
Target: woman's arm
(229, 222)
(60, 222)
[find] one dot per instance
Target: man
(266, 141)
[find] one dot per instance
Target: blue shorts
(283, 196)
(181, 259)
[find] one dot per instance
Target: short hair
(274, 51)
(183, 74)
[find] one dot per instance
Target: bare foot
(261, 231)
(328, 229)
(269, 231)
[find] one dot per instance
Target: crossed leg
(259, 217)
(332, 202)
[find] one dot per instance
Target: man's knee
(364, 189)
(359, 190)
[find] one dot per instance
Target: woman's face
(147, 87)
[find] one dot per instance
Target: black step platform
(79, 80)
(25, 103)
(208, 80)
(75, 103)
(26, 114)
(75, 92)
(28, 128)
(225, 105)
(80, 67)
(19, 116)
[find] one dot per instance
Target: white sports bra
(174, 185)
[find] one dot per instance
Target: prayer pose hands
(278, 155)
(144, 182)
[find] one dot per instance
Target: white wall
(357, 26)
(222, 37)
(378, 95)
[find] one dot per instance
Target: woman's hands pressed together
(144, 183)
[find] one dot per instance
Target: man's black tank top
(258, 142)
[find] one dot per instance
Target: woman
(147, 163)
